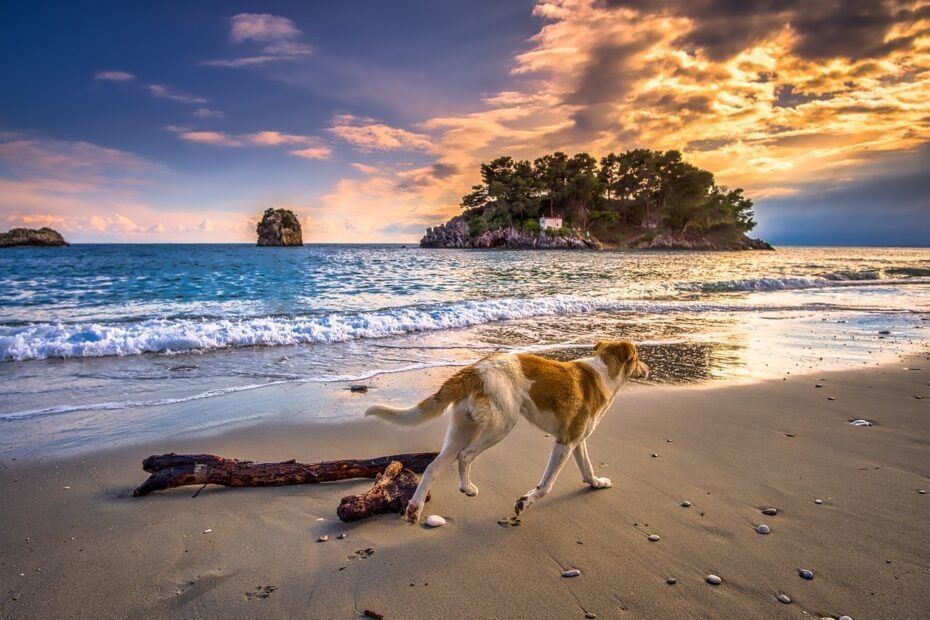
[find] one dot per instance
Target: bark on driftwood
(392, 490)
(175, 470)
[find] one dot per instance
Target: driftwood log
(175, 470)
(392, 490)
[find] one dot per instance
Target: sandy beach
(74, 543)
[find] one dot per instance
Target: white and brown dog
(566, 399)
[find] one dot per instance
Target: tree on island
(634, 191)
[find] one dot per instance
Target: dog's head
(621, 357)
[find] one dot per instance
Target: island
(279, 227)
(638, 199)
(42, 237)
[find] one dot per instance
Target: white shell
(922, 491)
(861, 423)
(207, 531)
(686, 504)
(654, 537)
(713, 580)
(572, 572)
(771, 511)
(844, 618)
(322, 538)
(784, 598)
(763, 529)
(435, 521)
(818, 501)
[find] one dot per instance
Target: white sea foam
(834, 279)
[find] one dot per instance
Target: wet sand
(74, 543)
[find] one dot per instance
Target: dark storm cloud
(825, 28)
(443, 171)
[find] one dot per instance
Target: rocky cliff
(279, 227)
(455, 234)
(30, 236)
(669, 241)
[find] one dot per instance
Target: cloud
(114, 76)
(312, 147)
(163, 92)
(208, 113)
(261, 27)
(367, 134)
(205, 226)
(279, 34)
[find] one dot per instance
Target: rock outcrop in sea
(669, 241)
(455, 234)
(31, 237)
(279, 227)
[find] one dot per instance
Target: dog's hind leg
(587, 470)
(461, 432)
(557, 459)
(490, 436)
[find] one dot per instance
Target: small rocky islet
(279, 228)
(32, 237)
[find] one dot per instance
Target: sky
(183, 121)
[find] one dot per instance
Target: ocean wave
(180, 335)
(863, 277)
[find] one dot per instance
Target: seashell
(322, 538)
(922, 491)
(435, 521)
(818, 385)
(655, 454)
(654, 538)
(671, 581)
(572, 572)
(860, 423)
(818, 501)
(844, 617)
(784, 598)
(806, 574)
(830, 398)
(207, 531)
(763, 529)
(686, 504)
(770, 511)
(590, 615)
(713, 580)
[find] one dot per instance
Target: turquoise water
(129, 328)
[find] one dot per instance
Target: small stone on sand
(860, 423)
(207, 531)
(818, 385)
(713, 580)
(770, 511)
(342, 536)
(763, 529)
(435, 521)
(818, 501)
(590, 615)
(922, 491)
(322, 538)
(572, 572)
(655, 454)
(359, 388)
(806, 574)
(844, 617)
(671, 581)
(830, 398)
(654, 538)
(784, 598)
(686, 504)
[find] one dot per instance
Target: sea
(107, 344)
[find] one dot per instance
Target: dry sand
(75, 544)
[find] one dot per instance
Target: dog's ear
(616, 354)
(600, 344)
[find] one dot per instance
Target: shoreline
(103, 553)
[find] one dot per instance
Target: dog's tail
(466, 382)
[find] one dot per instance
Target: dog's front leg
(587, 469)
(557, 459)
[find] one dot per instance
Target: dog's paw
(471, 490)
(600, 483)
(520, 505)
(412, 513)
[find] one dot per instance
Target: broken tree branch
(392, 490)
(175, 470)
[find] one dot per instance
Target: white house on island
(549, 222)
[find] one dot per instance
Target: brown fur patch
(618, 356)
(573, 392)
(458, 387)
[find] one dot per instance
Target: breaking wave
(832, 279)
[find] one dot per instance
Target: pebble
(830, 398)
(818, 501)
(671, 581)
(713, 580)
(654, 538)
(359, 388)
(844, 617)
(207, 531)
(655, 454)
(806, 574)
(884, 332)
(922, 491)
(686, 504)
(66, 488)
(861, 423)
(322, 538)
(590, 615)
(770, 511)
(572, 572)
(435, 521)
(763, 529)
(784, 598)
(342, 536)
(818, 385)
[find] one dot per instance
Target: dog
(564, 399)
